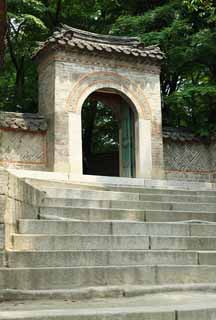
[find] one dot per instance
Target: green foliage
(184, 29)
(104, 135)
(18, 81)
(186, 32)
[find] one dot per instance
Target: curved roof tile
(68, 37)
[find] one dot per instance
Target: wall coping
(23, 121)
(184, 135)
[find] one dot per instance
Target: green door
(127, 150)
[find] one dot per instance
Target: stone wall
(23, 144)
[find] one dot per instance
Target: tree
(3, 29)
(31, 21)
(184, 29)
(186, 32)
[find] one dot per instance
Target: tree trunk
(19, 85)
(3, 30)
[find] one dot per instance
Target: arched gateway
(120, 72)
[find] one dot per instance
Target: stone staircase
(112, 241)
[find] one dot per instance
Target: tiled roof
(69, 38)
(22, 121)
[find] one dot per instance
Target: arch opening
(108, 134)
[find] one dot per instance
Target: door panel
(127, 156)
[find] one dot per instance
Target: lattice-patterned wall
(213, 155)
(189, 160)
(22, 149)
(187, 156)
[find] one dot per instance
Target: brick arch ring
(94, 81)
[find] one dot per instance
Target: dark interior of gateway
(104, 129)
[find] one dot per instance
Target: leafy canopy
(184, 29)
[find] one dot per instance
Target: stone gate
(72, 65)
(75, 65)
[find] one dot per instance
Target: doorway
(108, 135)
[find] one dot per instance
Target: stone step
(90, 314)
(116, 195)
(178, 198)
(172, 216)
(170, 306)
(182, 243)
(94, 213)
(77, 277)
(126, 214)
(115, 228)
(101, 292)
(73, 242)
(181, 188)
(163, 191)
(33, 259)
(1, 259)
(101, 242)
(1, 236)
(126, 204)
(72, 193)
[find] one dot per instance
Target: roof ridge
(100, 38)
(69, 38)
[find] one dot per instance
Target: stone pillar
(143, 149)
(75, 143)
